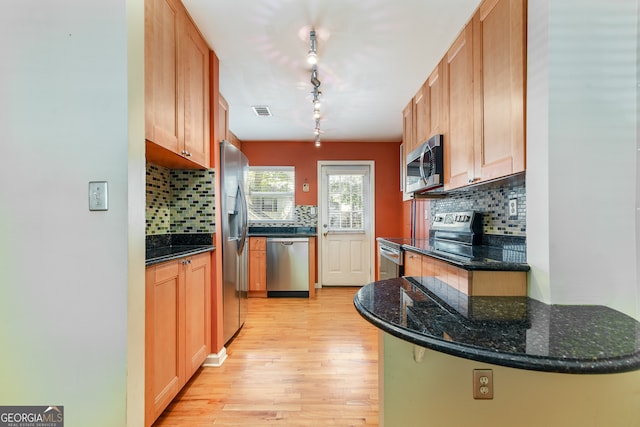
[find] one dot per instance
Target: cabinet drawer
(257, 243)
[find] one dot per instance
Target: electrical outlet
(513, 208)
(483, 384)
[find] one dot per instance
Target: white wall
(582, 132)
(65, 276)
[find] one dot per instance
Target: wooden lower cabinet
(412, 264)
(178, 322)
(257, 267)
(469, 282)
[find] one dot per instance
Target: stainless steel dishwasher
(288, 267)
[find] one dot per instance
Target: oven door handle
(390, 254)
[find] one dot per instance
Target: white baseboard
(216, 360)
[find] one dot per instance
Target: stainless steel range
(457, 232)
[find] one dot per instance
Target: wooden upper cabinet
(459, 108)
(484, 81)
(436, 116)
(421, 115)
(499, 72)
(408, 135)
(162, 23)
(194, 57)
(428, 108)
(176, 87)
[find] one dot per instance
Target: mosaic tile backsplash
(494, 205)
(305, 216)
(179, 201)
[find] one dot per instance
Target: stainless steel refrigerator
(234, 170)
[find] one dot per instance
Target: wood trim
(312, 267)
(217, 333)
(161, 156)
(486, 7)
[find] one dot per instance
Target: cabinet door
(421, 115)
(258, 267)
(436, 115)
(162, 73)
(499, 51)
(194, 60)
(408, 135)
(164, 363)
(412, 264)
(458, 98)
(197, 311)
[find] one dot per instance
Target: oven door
(389, 262)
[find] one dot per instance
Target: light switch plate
(98, 196)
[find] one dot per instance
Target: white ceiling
(373, 57)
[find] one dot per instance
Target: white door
(345, 223)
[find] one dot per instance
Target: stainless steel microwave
(424, 166)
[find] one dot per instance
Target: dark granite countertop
(168, 253)
(517, 332)
(506, 257)
(167, 247)
(282, 231)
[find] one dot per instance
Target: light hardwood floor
(296, 362)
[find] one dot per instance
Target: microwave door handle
(424, 178)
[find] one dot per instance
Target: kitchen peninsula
(429, 348)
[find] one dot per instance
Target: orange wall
(305, 155)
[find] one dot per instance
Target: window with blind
(346, 202)
(271, 193)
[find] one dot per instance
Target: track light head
(312, 56)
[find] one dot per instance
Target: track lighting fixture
(314, 76)
(312, 55)
(312, 58)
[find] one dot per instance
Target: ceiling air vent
(261, 110)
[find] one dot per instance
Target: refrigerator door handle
(245, 219)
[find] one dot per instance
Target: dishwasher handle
(287, 240)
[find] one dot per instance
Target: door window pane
(346, 202)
